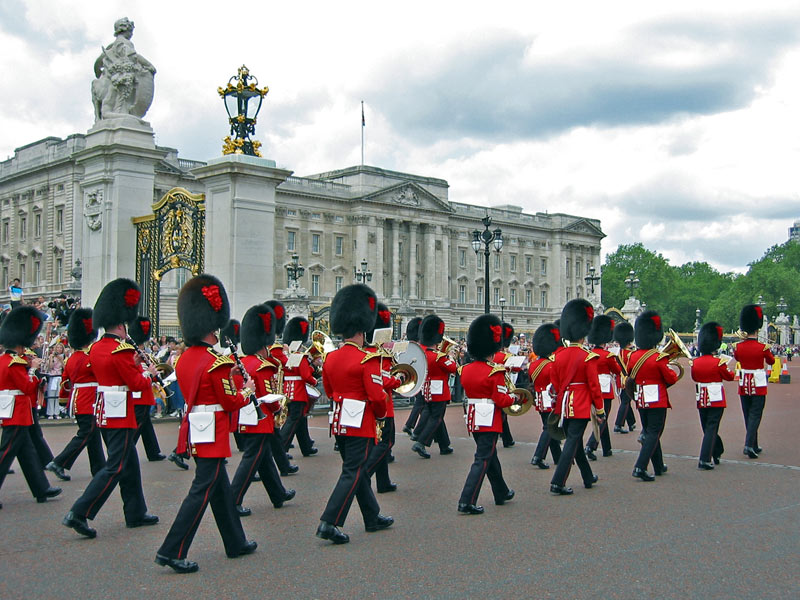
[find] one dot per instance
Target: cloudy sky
(676, 126)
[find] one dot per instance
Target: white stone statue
(124, 84)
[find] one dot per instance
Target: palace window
(315, 243)
(37, 272)
(543, 266)
(497, 295)
(315, 285)
(291, 239)
(5, 230)
(338, 282)
(496, 261)
(528, 264)
(339, 242)
(543, 299)
(528, 298)
(512, 297)
(37, 225)
(59, 270)
(59, 220)
(566, 269)
(480, 293)
(462, 294)
(512, 262)
(23, 225)
(462, 257)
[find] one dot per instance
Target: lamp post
(295, 270)
(502, 309)
(762, 334)
(363, 275)
(243, 99)
(485, 239)
(632, 282)
(591, 279)
(697, 321)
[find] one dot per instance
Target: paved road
(730, 533)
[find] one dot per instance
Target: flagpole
(363, 123)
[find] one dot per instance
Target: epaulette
(722, 361)
(590, 356)
(767, 347)
(441, 355)
(17, 360)
(496, 368)
(122, 347)
(219, 360)
(370, 355)
(458, 369)
(662, 356)
(29, 352)
(276, 345)
(266, 364)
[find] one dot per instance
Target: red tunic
(14, 376)
(345, 376)
(390, 383)
(485, 381)
(710, 369)
(440, 367)
(751, 355)
(78, 370)
(576, 394)
(622, 359)
(295, 380)
(608, 365)
(653, 372)
(541, 397)
(276, 351)
(262, 370)
(113, 365)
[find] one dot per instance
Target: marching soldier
(623, 335)
(18, 389)
(751, 355)
(257, 334)
(708, 372)
(650, 371)
(355, 387)
(574, 378)
(500, 357)
(546, 340)
(485, 385)
(294, 388)
(607, 368)
(278, 353)
(119, 374)
(412, 335)
(208, 381)
(80, 385)
(436, 388)
(139, 331)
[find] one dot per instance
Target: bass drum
(313, 393)
(414, 356)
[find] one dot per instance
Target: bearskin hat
(80, 331)
(546, 340)
(412, 329)
(298, 328)
(484, 336)
(117, 303)
(203, 307)
(353, 310)
(709, 339)
(431, 331)
(508, 334)
(623, 333)
(231, 332)
(140, 330)
(258, 328)
(279, 310)
(602, 330)
(383, 320)
(647, 331)
(751, 318)
(576, 319)
(20, 327)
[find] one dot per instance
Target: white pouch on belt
(6, 406)
(115, 404)
(352, 413)
(484, 414)
(650, 393)
(714, 392)
(437, 386)
(605, 382)
(760, 378)
(202, 427)
(247, 415)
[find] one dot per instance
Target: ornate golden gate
(172, 237)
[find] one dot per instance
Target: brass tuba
(675, 349)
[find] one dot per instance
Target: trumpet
(675, 348)
(446, 345)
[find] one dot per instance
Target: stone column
(380, 268)
(119, 176)
(430, 263)
(445, 270)
(412, 270)
(395, 259)
(240, 219)
(362, 246)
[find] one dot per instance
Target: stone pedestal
(240, 221)
(631, 309)
(119, 174)
(295, 301)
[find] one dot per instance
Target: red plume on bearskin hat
(231, 332)
(623, 333)
(508, 334)
(203, 308)
(296, 329)
(279, 310)
(431, 331)
(576, 319)
(647, 331)
(117, 303)
(751, 319)
(383, 320)
(601, 331)
(140, 330)
(546, 340)
(20, 327)
(412, 329)
(80, 331)
(353, 310)
(709, 339)
(484, 336)
(258, 328)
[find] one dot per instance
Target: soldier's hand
(35, 362)
(248, 382)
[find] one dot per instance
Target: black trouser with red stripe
(573, 450)
(257, 457)
(146, 431)
(625, 412)
(122, 466)
(378, 458)
(545, 441)
(416, 410)
(39, 443)
(486, 464)
(712, 446)
(210, 486)
(506, 436)
(88, 437)
(653, 422)
(353, 482)
(752, 408)
(434, 427)
(16, 443)
(296, 424)
(605, 438)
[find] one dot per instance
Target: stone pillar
(380, 268)
(362, 246)
(445, 270)
(412, 270)
(395, 259)
(240, 219)
(436, 262)
(119, 176)
(555, 275)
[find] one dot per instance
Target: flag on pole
(363, 122)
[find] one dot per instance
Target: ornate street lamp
(781, 306)
(363, 275)
(243, 99)
(591, 279)
(502, 308)
(295, 270)
(697, 321)
(485, 239)
(632, 282)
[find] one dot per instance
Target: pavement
(729, 533)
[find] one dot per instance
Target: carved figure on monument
(124, 84)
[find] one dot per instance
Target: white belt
(292, 378)
(207, 408)
(77, 386)
(752, 371)
(704, 386)
(480, 401)
(354, 399)
(12, 392)
(112, 388)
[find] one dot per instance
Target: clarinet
(147, 359)
(232, 348)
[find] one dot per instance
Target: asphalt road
(729, 533)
